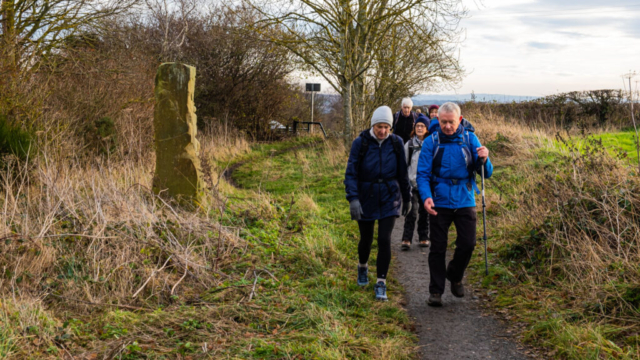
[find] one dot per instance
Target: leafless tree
(347, 43)
(34, 29)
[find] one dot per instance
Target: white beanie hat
(382, 115)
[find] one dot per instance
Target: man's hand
(429, 206)
(483, 153)
(356, 209)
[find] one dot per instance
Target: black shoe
(406, 245)
(424, 243)
(435, 300)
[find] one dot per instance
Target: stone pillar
(178, 173)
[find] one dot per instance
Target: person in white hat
(377, 187)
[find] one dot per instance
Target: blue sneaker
(381, 291)
(363, 276)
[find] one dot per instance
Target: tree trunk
(8, 39)
(348, 119)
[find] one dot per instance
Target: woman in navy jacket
(377, 187)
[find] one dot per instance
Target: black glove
(406, 207)
(356, 209)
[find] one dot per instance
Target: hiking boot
(435, 300)
(363, 276)
(381, 291)
(424, 243)
(457, 289)
(406, 245)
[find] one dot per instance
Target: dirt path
(459, 329)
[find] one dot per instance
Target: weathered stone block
(177, 164)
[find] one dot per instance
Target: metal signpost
(313, 88)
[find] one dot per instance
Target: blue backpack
(465, 147)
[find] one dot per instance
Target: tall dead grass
(78, 235)
(567, 220)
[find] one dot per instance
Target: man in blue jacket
(447, 167)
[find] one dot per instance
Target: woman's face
(421, 130)
(381, 130)
(433, 113)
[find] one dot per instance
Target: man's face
(449, 122)
(406, 110)
(381, 130)
(433, 113)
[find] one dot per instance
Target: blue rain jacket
(446, 194)
(381, 182)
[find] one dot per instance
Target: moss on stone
(178, 173)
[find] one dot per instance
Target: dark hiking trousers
(464, 220)
(410, 220)
(385, 227)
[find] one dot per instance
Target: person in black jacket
(377, 186)
(403, 120)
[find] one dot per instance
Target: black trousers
(385, 227)
(464, 220)
(410, 219)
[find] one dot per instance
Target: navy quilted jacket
(381, 182)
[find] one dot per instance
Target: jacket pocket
(440, 194)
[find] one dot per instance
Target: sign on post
(313, 87)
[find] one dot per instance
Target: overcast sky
(541, 47)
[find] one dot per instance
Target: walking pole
(484, 225)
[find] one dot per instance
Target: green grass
(523, 285)
(619, 144)
(321, 263)
(288, 293)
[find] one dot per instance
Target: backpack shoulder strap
(436, 141)
(467, 141)
(410, 154)
(397, 144)
(437, 154)
(471, 167)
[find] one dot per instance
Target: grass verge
(563, 241)
(95, 266)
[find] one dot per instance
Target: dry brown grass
(565, 225)
(81, 237)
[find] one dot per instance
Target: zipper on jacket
(380, 177)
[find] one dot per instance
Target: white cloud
(542, 47)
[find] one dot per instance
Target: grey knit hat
(382, 115)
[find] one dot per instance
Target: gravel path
(459, 329)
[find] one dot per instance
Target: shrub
(100, 135)
(14, 140)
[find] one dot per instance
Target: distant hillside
(427, 99)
